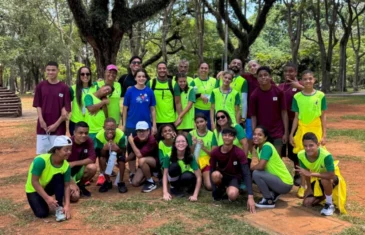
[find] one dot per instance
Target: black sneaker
(83, 191)
(131, 176)
(275, 196)
(122, 188)
(105, 187)
(148, 187)
(219, 195)
(266, 203)
(177, 192)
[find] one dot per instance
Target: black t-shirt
(127, 80)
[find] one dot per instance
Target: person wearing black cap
(127, 80)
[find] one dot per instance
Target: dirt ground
(17, 150)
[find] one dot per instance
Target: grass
(7, 206)
(350, 158)
(358, 135)
(349, 100)
(21, 138)
(14, 179)
(353, 117)
(171, 228)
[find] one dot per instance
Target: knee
(141, 161)
(308, 202)
(217, 177)
(91, 169)
(75, 197)
(255, 174)
(174, 170)
(232, 193)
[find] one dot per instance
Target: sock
(329, 199)
(150, 180)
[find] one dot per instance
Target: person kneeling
(50, 174)
(228, 166)
(145, 149)
(82, 161)
(270, 174)
(317, 165)
(182, 171)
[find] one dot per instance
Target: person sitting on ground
(208, 141)
(111, 139)
(145, 149)
(316, 163)
(82, 161)
(228, 167)
(48, 175)
(181, 171)
(270, 173)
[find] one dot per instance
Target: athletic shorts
(249, 131)
(334, 184)
(44, 143)
(228, 181)
(120, 158)
(206, 168)
(77, 172)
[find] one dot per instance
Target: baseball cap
(62, 141)
(112, 67)
(142, 125)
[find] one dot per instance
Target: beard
(235, 69)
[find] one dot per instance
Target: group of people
(181, 132)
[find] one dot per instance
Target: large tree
(104, 29)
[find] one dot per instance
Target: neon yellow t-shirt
(95, 121)
(77, 112)
(324, 162)
(227, 102)
(163, 151)
(241, 134)
(238, 84)
(114, 101)
(309, 107)
(204, 87)
(188, 119)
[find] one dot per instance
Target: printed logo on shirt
(235, 163)
(85, 150)
(142, 98)
(60, 95)
(294, 89)
(275, 98)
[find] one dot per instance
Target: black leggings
(55, 187)
(185, 180)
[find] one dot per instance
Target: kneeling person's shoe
(266, 203)
(148, 187)
(301, 192)
(60, 216)
(84, 192)
(328, 209)
(177, 192)
(106, 186)
(122, 188)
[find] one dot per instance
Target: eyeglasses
(85, 74)
(136, 62)
(220, 117)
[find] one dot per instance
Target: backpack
(171, 89)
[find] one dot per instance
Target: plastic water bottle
(197, 149)
(117, 179)
(111, 163)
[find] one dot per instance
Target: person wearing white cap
(50, 174)
(110, 77)
(145, 150)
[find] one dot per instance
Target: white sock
(150, 180)
(329, 199)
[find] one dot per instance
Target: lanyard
(85, 90)
(225, 98)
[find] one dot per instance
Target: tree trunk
(1, 75)
(199, 21)
(341, 81)
(22, 78)
(12, 79)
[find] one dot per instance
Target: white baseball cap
(62, 141)
(142, 125)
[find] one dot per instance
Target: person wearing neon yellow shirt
(204, 86)
(310, 108)
(78, 92)
(185, 120)
(183, 68)
(48, 175)
(316, 162)
(111, 73)
(225, 98)
(270, 173)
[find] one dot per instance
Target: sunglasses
(85, 74)
(220, 117)
(136, 62)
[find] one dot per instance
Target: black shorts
(228, 181)
(120, 158)
(334, 184)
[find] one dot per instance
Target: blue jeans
(249, 131)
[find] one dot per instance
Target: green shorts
(77, 176)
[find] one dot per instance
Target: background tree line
(326, 36)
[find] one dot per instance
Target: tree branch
(242, 18)
(236, 31)
(81, 17)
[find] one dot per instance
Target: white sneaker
(60, 216)
(328, 209)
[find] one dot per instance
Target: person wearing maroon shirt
(52, 101)
(82, 161)
(268, 108)
(145, 149)
(228, 167)
(290, 87)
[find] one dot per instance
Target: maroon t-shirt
(82, 151)
(228, 163)
(289, 93)
(147, 148)
(52, 98)
(267, 107)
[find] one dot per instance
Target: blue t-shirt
(139, 103)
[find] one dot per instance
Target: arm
(134, 147)
(178, 104)
(166, 194)
(198, 185)
(248, 182)
(254, 122)
(260, 166)
(51, 202)
(244, 105)
(96, 107)
(244, 144)
(83, 162)
(294, 127)
(186, 110)
(238, 115)
(153, 116)
(212, 114)
(125, 110)
(41, 120)
(324, 127)
(66, 207)
(284, 117)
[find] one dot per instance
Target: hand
(154, 130)
(167, 197)
(204, 98)
(106, 147)
(64, 113)
(308, 192)
(52, 128)
(178, 122)
(323, 141)
(173, 134)
(193, 198)
(291, 138)
(43, 125)
(122, 128)
(72, 164)
(114, 147)
(251, 204)
(105, 101)
(303, 171)
(67, 211)
(243, 121)
(219, 75)
(212, 126)
(195, 141)
(52, 203)
(284, 138)
(130, 138)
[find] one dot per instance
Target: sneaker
(301, 192)
(275, 196)
(83, 191)
(297, 180)
(328, 209)
(243, 186)
(219, 195)
(266, 203)
(131, 176)
(106, 186)
(101, 180)
(60, 216)
(177, 192)
(122, 188)
(148, 187)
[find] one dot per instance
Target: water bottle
(111, 163)
(117, 179)
(198, 146)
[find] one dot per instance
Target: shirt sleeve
(98, 144)
(194, 165)
(88, 100)
(294, 106)
(214, 141)
(161, 156)
(149, 84)
(329, 164)
(241, 134)
(190, 139)
(177, 91)
(153, 98)
(38, 166)
(37, 101)
(72, 95)
(91, 151)
(266, 153)
(67, 99)
(67, 175)
(241, 156)
(212, 98)
(244, 88)
(165, 162)
(212, 162)
(192, 84)
(324, 103)
(237, 99)
(192, 96)
(122, 142)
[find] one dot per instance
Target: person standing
(52, 101)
